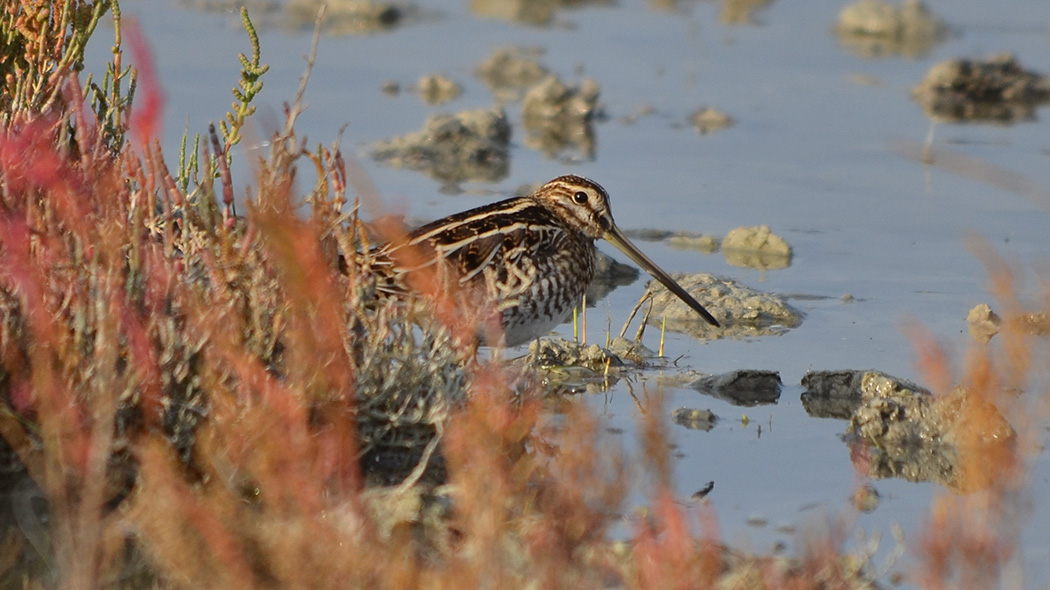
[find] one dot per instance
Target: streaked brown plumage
(531, 258)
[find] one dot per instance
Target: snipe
(530, 258)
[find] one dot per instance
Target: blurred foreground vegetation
(192, 396)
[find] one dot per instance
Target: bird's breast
(553, 283)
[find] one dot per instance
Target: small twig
(424, 462)
(224, 178)
(645, 320)
(630, 317)
(300, 94)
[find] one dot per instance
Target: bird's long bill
(615, 237)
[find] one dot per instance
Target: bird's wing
(492, 240)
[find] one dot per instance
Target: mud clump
(747, 247)
(741, 12)
(837, 394)
(346, 17)
(570, 367)
(1036, 324)
(438, 89)
(708, 120)
(529, 12)
(559, 352)
(557, 117)
(510, 71)
(632, 351)
(694, 418)
(873, 28)
(756, 247)
(471, 145)
(746, 388)
(742, 311)
(997, 90)
(908, 433)
(983, 323)
(702, 243)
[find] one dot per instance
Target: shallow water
(814, 154)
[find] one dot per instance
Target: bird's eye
(580, 197)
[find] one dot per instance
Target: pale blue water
(811, 155)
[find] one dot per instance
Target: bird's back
(516, 256)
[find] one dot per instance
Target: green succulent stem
(247, 88)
